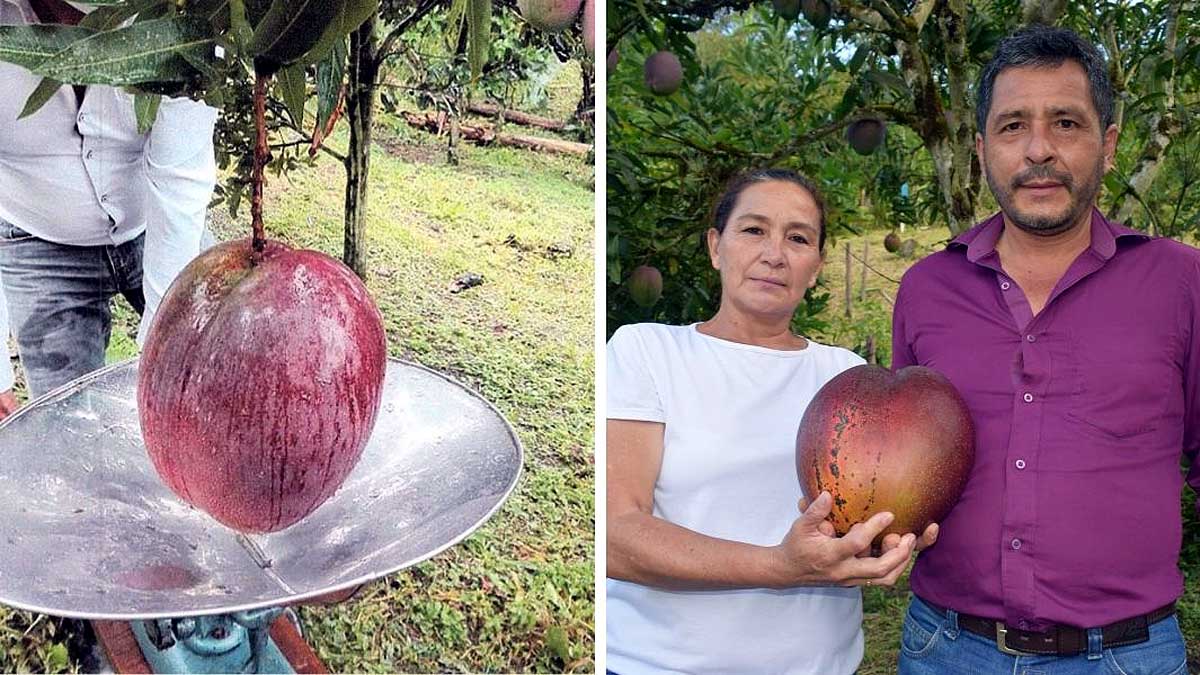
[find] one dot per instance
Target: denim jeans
(58, 299)
(933, 644)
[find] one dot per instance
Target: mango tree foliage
(761, 90)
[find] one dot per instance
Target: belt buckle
(1001, 634)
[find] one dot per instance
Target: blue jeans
(58, 302)
(933, 644)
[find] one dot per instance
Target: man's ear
(1110, 146)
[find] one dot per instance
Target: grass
(871, 316)
(518, 595)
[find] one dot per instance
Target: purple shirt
(1071, 512)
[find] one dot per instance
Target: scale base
(123, 647)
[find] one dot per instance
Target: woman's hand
(811, 555)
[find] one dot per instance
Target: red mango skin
(259, 384)
(882, 441)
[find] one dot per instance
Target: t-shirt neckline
(730, 344)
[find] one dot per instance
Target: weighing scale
(89, 531)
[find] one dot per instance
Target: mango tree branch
(425, 7)
(260, 160)
(905, 29)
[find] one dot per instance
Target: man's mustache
(1042, 173)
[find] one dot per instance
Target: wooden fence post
(849, 281)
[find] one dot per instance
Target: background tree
(760, 89)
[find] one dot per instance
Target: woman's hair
(734, 188)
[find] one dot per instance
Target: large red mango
(259, 383)
(882, 441)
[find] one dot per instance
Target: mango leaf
(330, 73)
(886, 80)
(290, 30)
(145, 106)
(151, 51)
(41, 94)
(112, 16)
(353, 14)
(289, 84)
(479, 34)
(30, 45)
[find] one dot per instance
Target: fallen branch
(517, 116)
(484, 135)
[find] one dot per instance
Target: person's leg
(932, 643)
(126, 264)
(58, 306)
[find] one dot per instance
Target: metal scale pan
(88, 530)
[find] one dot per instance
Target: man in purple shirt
(1076, 344)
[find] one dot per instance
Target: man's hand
(810, 554)
(8, 403)
(928, 538)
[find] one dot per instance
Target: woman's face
(768, 255)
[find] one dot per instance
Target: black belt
(1060, 640)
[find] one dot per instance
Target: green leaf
(353, 14)
(151, 51)
(145, 106)
(239, 26)
(41, 94)
(291, 29)
(888, 80)
(30, 45)
(56, 657)
(112, 16)
(479, 34)
(290, 85)
(330, 73)
(856, 61)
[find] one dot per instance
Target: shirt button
(104, 198)
(89, 154)
(1028, 397)
(1030, 338)
(80, 117)
(1020, 463)
(1016, 544)
(1004, 286)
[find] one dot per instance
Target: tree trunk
(585, 112)
(522, 118)
(1163, 125)
(946, 134)
(360, 113)
(485, 135)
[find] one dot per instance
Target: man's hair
(1045, 46)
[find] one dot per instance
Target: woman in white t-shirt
(710, 569)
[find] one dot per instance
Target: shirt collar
(980, 241)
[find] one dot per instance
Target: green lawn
(518, 595)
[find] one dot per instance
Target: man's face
(1044, 152)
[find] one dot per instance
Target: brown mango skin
(882, 441)
(259, 385)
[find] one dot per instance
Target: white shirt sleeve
(631, 390)
(6, 369)
(181, 172)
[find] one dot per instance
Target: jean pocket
(1163, 654)
(920, 634)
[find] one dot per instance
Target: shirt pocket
(1121, 384)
